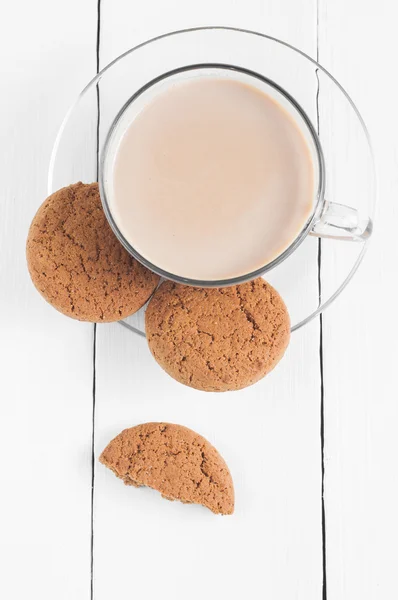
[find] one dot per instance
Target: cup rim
(319, 195)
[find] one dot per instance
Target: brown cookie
(76, 262)
(217, 339)
(174, 460)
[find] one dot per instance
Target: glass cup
(327, 219)
(317, 269)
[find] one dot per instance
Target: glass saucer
(312, 277)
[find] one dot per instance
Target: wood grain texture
(358, 44)
(269, 433)
(46, 360)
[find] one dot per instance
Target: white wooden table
(317, 490)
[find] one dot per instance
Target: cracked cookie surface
(176, 461)
(218, 339)
(78, 265)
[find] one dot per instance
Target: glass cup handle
(342, 223)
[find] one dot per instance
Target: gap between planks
(97, 51)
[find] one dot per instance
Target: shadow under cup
(326, 219)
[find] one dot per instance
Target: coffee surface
(213, 179)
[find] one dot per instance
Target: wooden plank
(269, 433)
(360, 331)
(46, 382)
